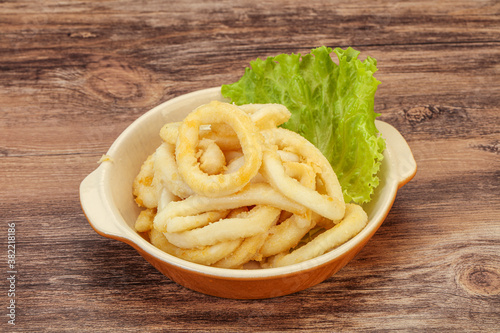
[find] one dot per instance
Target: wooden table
(73, 75)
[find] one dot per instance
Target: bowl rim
(94, 185)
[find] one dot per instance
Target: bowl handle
(96, 208)
(406, 165)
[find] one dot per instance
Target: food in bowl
(112, 210)
(242, 191)
(246, 156)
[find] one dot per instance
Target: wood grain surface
(73, 75)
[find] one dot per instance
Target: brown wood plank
(74, 75)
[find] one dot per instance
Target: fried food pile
(229, 188)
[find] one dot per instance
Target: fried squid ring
(226, 140)
(304, 174)
(354, 221)
(256, 221)
(144, 221)
(244, 253)
(166, 168)
(289, 232)
(287, 156)
(207, 255)
(183, 223)
(253, 194)
(285, 235)
(236, 163)
(143, 188)
(169, 132)
(267, 115)
(331, 204)
(212, 159)
(187, 141)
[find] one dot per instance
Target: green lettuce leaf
(332, 106)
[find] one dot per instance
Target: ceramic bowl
(107, 201)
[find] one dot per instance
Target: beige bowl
(107, 201)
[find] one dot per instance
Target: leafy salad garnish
(332, 106)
